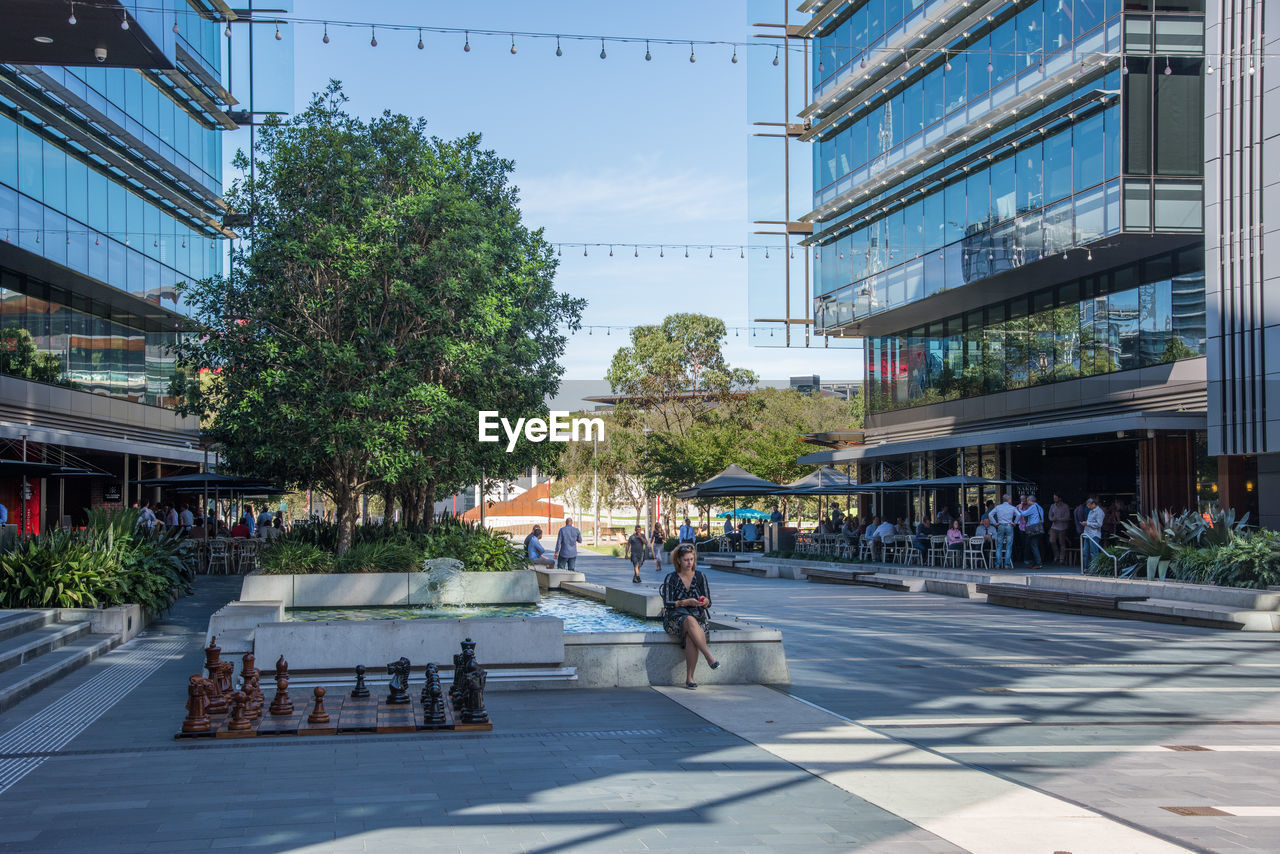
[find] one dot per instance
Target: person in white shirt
(186, 519)
(1004, 515)
(1034, 515)
(687, 533)
(1091, 538)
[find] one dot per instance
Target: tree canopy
(387, 292)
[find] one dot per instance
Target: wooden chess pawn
(318, 715)
(249, 676)
(197, 719)
(361, 690)
(281, 704)
(239, 717)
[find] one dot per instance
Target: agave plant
(1149, 536)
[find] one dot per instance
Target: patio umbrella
(733, 482)
(743, 513)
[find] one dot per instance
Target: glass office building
(111, 123)
(1008, 210)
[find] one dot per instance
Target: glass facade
(1134, 316)
(96, 351)
(63, 202)
(992, 178)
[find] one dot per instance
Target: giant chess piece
(239, 712)
(220, 675)
(361, 690)
(433, 698)
(462, 664)
(249, 676)
(281, 704)
(318, 714)
(198, 689)
(473, 710)
(399, 686)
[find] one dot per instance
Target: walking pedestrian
(566, 552)
(636, 544)
(659, 540)
(687, 533)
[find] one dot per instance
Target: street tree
(388, 291)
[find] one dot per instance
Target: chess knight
(399, 671)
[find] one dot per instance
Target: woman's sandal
(635, 579)
(713, 665)
(691, 685)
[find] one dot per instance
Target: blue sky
(605, 150)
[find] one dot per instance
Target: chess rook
(198, 689)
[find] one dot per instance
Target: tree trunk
(347, 506)
(427, 512)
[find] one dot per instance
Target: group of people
(1025, 531)
(156, 515)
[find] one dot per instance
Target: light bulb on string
(1090, 258)
(734, 58)
(603, 55)
(1208, 67)
(766, 253)
(740, 251)
(584, 250)
(661, 253)
(420, 44)
(124, 20)
(68, 238)
(946, 61)
(647, 56)
(373, 38)
(1167, 68)
(711, 252)
(72, 19)
(686, 252)
(227, 30)
(793, 253)
(96, 241)
(610, 251)
(692, 58)
(862, 63)
(637, 252)
(278, 36)
(175, 25)
(608, 330)
(775, 57)
(1124, 69)
(513, 44)
(37, 237)
(466, 44)
(559, 251)
(326, 33)
(559, 52)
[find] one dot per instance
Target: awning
(826, 481)
(1024, 433)
(733, 481)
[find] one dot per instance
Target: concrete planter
(123, 621)
(342, 644)
(371, 589)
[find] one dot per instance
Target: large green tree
(387, 292)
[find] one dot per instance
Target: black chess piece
(463, 662)
(361, 690)
(426, 687)
(473, 710)
(433, 703)
(399, 685)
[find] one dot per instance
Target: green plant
(1148, 536)
(1251, 559)
(285, 557)
(1222, 527)
(381, 556)
(1195, 565)
(670, 544)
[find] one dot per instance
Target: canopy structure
(201, 478)
(26, 468)
(743, 513)
(733, 481)
(827, 481)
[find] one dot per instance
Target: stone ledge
(123, 621)
(584, 589)
(634, 602)
(551, 579)
(373, 589)
(640, 659)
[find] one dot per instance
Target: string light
(124, 20)
(226, 31)
(72, 19)
(278, 36)
(775, 57)
(175, 25)
(734, 58)
(647, 56)
(603, 55)
(466, 45)
(513, 45)
(559, 52)
(692, 58)
(1167, 69)
(373, 39)
(326, 34)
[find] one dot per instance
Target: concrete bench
(1023, 597)
(838, 576)
(725, 561)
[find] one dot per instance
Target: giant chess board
(346, 715)
(218, 709)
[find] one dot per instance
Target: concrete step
(16, 622)
(903, 583)
(26, 679)
(1202, 614)
(30, 645)
(765, 571)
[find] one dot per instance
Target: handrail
(1115, 561)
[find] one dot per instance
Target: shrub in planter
(1195, 565)
(286, 557)
(384, 556)
(1251, 559)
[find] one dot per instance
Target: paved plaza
(914, 723)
